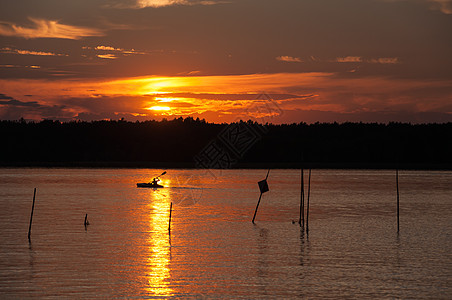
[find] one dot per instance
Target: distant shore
(190, 144)
(189, 165)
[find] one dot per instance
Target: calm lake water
(214, 251)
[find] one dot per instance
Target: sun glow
(162, 99)
(159, 108)
(215, 98)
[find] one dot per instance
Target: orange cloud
(359, 59)
(117, 51)
(138, 4)
(107, 48)
(18, 66)
(385, 60)
(349, 59)
(47, 29)
(28, 52)
(161, 3)
(107, 56)
(288, 58)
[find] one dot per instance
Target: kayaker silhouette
(153, 183)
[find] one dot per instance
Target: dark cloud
(13, 102)
(13, 109)
(4, 97)
(18, 103)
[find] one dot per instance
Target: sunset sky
(278, 61)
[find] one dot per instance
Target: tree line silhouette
(176, 143)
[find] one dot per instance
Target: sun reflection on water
(159, 254)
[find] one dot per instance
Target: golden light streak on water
(158, 261)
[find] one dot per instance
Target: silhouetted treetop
(178, 141)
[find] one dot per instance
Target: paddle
(160, 175)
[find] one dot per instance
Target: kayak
(149, 185)
(153, 183)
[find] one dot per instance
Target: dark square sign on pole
(263, 186)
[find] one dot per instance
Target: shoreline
(191, 165)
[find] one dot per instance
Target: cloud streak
(345, 59)
(109, 52)
(286, 58)
(20, 66)
(42, 28)
(29, 52)
(162, 3)
(384, 60)
(349, 59)
(107, 56)
(139, 4)
(359, 59)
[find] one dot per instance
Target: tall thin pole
(260, 196)
(309, 193)
(169, 223)
(398, 211)
(255, 211)
(31, 215)
(301, 218)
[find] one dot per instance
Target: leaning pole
(31, 215)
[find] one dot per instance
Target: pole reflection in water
(158, 271)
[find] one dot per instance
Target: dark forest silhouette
(176, 143)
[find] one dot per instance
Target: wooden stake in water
(86, 220)
(398, 211)
(255, 211)
(301, 218)
(31, 215)
(169, 223)
(263, 187)
(307, 211)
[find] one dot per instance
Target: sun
(164, 99)
(159, 108)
